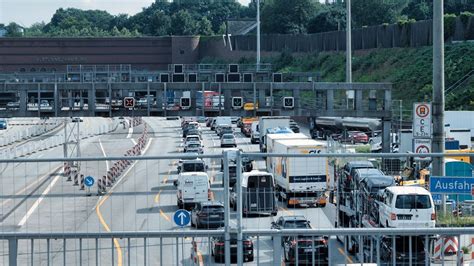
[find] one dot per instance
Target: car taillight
(393, 216)
(209, 193)
(247, 243)
(220, 244)
(433, 216)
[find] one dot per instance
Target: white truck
(272, 138)
(222, 120)
(267, 122)
(300, 180)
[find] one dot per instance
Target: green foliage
(330, 18)
(465, 17)
(280, 16)
(409, 69)
(363, 149)
(376, 12)
(449, 25)
(13, 30)
(419, 10)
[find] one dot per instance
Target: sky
(27, 12)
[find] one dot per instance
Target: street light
(258, 35)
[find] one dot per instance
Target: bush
(449, 25)
(465, 17)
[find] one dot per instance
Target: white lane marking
(130, 132)
(134, 142)
(103, 152)
(38, 201)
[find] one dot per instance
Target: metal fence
(46, 219)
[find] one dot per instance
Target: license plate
(214, 216)
(253, 205)
(233, 246)
(308, 250)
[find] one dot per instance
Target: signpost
(422, 146)
(129, 102)
(422, 120)
(181, 218)
(88, 182)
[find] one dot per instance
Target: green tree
(115, 31)
(204, 27)
(14, 30)
(418, 10)
(376, 12)
(182, 23)
(331, 18)
(282, 16)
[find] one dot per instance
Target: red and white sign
(422, 146)
(422, 120)
(128, 102)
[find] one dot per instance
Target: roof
(359, 164)
(408, 190)
(287, 136)
(279, 130)
(302, 142)
(369, 172)
(294, 218)
(380, 181)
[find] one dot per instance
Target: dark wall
(384, 36)
(56, 53)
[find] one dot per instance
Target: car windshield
(260, 181)
(228, 136)
(193, 167)
(413, 202)
(213, 208)
(296, 224)
(193, 139)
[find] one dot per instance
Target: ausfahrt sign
(422, 120)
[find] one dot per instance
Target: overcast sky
(27, 12)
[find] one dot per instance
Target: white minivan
(406, 206)
(193, 187)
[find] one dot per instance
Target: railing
(137, 202)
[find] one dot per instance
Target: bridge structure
(209, 89)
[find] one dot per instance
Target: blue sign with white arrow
(181, 217)
(451, 185)
(89, 181)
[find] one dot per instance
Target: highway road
(37, 198)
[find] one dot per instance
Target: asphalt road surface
(36, 197)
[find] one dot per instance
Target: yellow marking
(200, 258)
(287, 211)
(347, 257)
(165, 216)
(157, 197)
(104, 224)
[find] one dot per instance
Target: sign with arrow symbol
(89, 181)
(181, 218)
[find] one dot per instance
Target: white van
(254, 134)
(193, 187)
(402, 206)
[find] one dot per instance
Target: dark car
(192, 131)
(208, 214)
(402, 250)
(306, 248)
(218, 248)
(291, 222)
(294, 127)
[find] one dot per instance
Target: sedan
(228, 140)
(218, 248)
(208, 214)
(306, 248)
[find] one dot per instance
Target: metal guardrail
(72, 245)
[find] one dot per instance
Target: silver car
(228, 140)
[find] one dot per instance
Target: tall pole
(348, 42)
(438, 90)
(258, 35)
